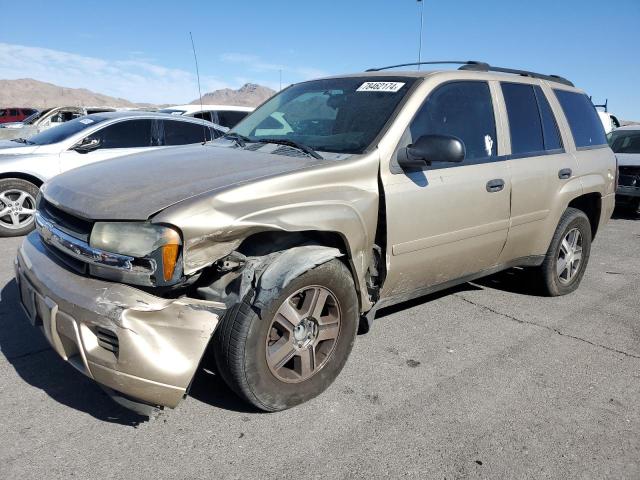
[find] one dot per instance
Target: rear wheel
(568, 254)
(298, 344)
(17, 207)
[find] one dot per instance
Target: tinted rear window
(583, 119)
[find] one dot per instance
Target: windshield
(625, 141)
(64, 130)
(342, 115)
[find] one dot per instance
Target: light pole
(421, 2)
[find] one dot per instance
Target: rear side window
(463, 110)
(532, 125)
(525, 125)
(550, 130)
(208, 116)
(230, 118)
(184, 133)
(583, 119)
(126, 134)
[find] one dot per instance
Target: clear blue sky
(141, 50)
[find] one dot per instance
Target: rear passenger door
(447, 220)
(540, 168)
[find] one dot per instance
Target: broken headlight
(140, 240)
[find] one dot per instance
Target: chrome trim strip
(82, 251)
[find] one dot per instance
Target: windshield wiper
(240, 139)
(290, 143)
(22, 140)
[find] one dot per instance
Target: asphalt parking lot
(487, 380)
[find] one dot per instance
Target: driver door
(447, 221)
(116, 140)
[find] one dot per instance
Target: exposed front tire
(295, 347)
(568, 254)
(17, 207)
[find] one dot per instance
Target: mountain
(250, 95)
(27, 92)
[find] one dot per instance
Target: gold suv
(274, 244)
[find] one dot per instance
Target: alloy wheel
(303, 334)
(17, 209)
(569, 256)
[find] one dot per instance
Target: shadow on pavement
(208, 387)
(37, 364)
(522, 281)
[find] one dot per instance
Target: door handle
(495, 185)
(564, 173)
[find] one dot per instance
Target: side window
(550, 130)
(230, 118)
(461, 109)
(204, 116)
(184, 133)
(525, 126)
(14, 112)
(127, 134)
(583, 119)
(4, 113)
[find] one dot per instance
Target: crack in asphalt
(28, 354)
(551, 329)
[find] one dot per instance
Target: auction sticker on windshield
(380, 87)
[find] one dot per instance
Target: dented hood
(137, 186)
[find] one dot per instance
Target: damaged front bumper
(145, 347)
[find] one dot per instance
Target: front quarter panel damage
(340, 197)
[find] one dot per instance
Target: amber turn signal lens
(169, 260)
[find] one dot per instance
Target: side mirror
(87, 145)
(431, 148)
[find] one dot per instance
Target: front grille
(108, 340)
(629, 176)
(65, 260)
(70, 224)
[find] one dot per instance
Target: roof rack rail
(525, 73)
(476, 66)
(442, 62)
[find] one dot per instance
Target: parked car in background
(26, 163)
(14, 114)
(625, 143)
(609, 121)
(276, 248)
(45, 119)
(225, 115)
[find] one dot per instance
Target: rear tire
(247, 345)
(568, 254)
(17, 207)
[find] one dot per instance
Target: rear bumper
(143, 346)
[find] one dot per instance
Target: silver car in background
(25, 164)
(625, 143)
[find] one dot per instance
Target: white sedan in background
(225, 115)
(25, 164)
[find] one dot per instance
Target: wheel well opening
(590, 204)
(263, 243)
(23, 176)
